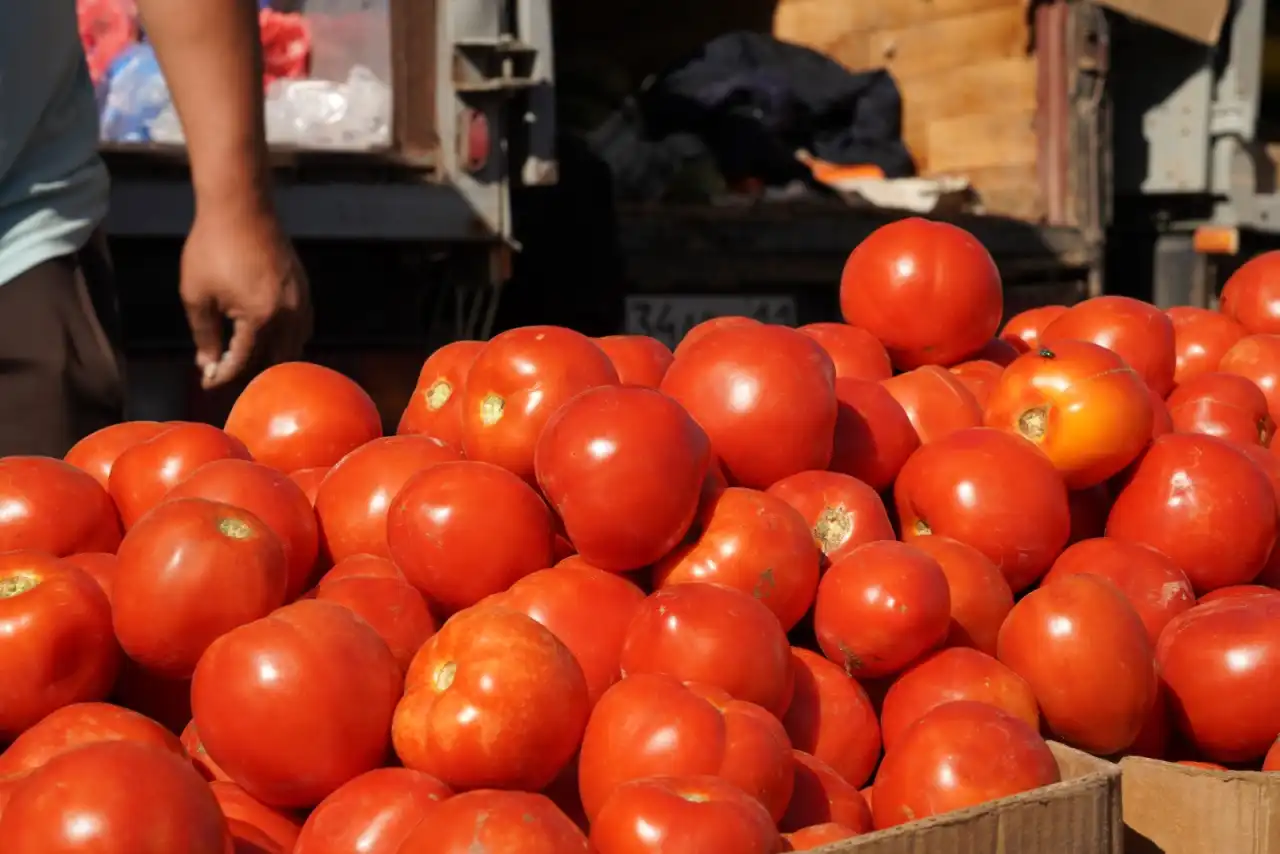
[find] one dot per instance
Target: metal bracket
(502, 66)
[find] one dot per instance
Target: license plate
(669, 317)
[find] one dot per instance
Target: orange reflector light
(1216, 240)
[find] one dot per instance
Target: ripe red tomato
(494, 699)
(1272, 760)
(842, 511)
(1161, 421)
(1269, 463)
(53, 507)
(638, 359)
(821, 795)
(623, 469)
(831, 717)
(371, 814)
(106, 798)
(1203, 503)
(1221, 665)
(391, 606)
(96, 453)
(682, 815)
(936, 402)
(56, 643)
(1023, 329)
(816, 836)
(310, 480)
(706, 327)
(1138, 332)
(989, 490)
(1251, 294)
(267, 693)
(1223, 405)
(100, 566)
(297, 415)
(273, 498)
(253, 825)
(874, 437)
(1201, 338)
(464, 530)
(980, 596)
(1080, 404)
(495, 822)
(1257, 358)
(79, 724)
(1085, 653)
(1237, 591)
(916, 262)
(959, 755)
(200, 757)
(434, 409)
(753, 542)
(980, 377)
(363, 566)
(1153, 584)
(856, 353)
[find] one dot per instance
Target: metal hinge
(493, 66)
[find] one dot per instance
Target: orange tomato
(433, 408)
(936, 401)
(1138, 332)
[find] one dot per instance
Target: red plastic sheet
(286, 45)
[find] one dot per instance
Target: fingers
(239, 351)
(205, 321)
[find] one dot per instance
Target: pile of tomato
(775, 589)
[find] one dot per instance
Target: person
(61, 373)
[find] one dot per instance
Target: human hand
(242, 268)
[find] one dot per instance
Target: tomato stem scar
(491, 409)
(1032, 423)
(17, 584)
(438, 395)
(236, 529)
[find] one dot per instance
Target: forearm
(211, 55)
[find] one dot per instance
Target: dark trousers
(61, 368)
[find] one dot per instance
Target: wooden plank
(1012, 191)
(995, 86)
(950, 43)
(965, 143)
(816, 22)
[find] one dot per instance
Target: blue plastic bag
(134, 94)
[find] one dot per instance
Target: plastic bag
(286, 45)
(135, 95)
(107, 28)
(323, 114)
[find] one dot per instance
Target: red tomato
(53, 507)
(815, 836)
(874, 437)
(821, 795)
(1023, 329)
(79, 724)
(911, 263)
(309, 480)
(959, 755)
(638, 359)
(1251, 295)
(100, 566)
(842, 511)
(1222, 405)
(1153, 739)
(1161, 421)
(856, 353)
(391, 606)
(492, 700)
(980, 377)
(1138, 332)
(1202, 502)
(1221, 665)
(1237, 591)
(462, 531)
(712, 635)
(765, 395)
(106, 798)
(273, 498)
(950, 675)
(997, 351)
(587, 608)
(1080, 404)
(755, 543)
(1089, 509)
(682, 815)
(371, 814)
(831, 717)
(434, 408)
(494, 822)
(989, 490)
(200, 757)
(56, 643)
(1153, 584)
(1085, 653)
(980, 596)
(936, 401)
(1272, 760)
(266, 694)
(1257, 358)
(706, 327)
(145, 473)
(1201, 338)
(363, 566)
(297, 415)
(253, 825)
(1269, 463)
(623, 469)
(96, 453)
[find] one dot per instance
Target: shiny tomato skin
(1022, 331)
(821, 795)
(1269, 462)
(391, 606)
(1083, 650)
(493, 699)
(1237, 591)
(495, 822)
(880, 608)
(1080, 404)
(874, 437)
(1272, 760)
(1223, 405)
(856, 353)
(297, 415)
(980, 377)
(79, 724)
(96, 453)
(272, 497)
(1257, 358)
(1221, 665)
(265, 694)
(56, 643)
(1250, 295)
(622, 467)
(371, 814)
(464, 530)
(309, 480)
(980, 596)
(200, 757)
(936, 401)
(115, 797)
(831, 717)
(1153, 584)
(959, 755)
(765, 395)
(682, 815)
(816, 836)
(434, 409)
(100, 566)
(1201, 338)
(253, 825)
(842, 511)
(638, 359)
(1138, 332)
(992, 491)
(915, 262)
(53, 507)
(363, 566)
(1204, 504)
(706, 327)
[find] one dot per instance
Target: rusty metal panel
(414, 46)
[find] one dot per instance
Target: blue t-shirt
(53, 186)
